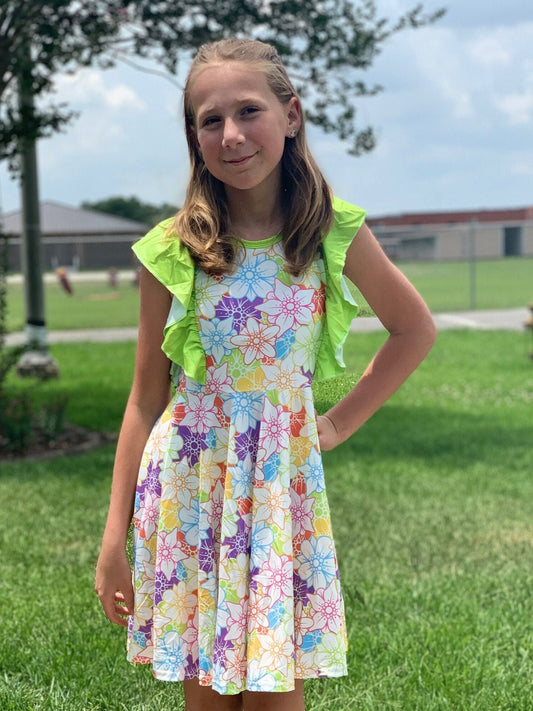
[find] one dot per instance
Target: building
(86, 239)
(479, 234)
(76, 238)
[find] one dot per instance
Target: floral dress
(235, 572)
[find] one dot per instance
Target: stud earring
(293, 133)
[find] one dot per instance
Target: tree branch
(156, 72)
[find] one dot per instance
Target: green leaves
(132, 209)
(326, 45)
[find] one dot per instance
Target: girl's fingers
(122, 603)
(113, 585)
(117, 607)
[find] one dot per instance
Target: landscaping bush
(26, 416)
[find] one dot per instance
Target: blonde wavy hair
(202, 223)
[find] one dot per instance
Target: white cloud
(490, 50)
(522, 168)
(503, 59)
(122, 97)
(517, 107)
(480, 13)
(465, 78)
(439, 60)
(108, 108)
(89, 88)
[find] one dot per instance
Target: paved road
(507, 319)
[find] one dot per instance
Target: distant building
(76, 238)
(86, 239)
(483, 234)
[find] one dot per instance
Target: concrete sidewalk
(506, 319)
(498, 319)
(87, 335)
(124, 276)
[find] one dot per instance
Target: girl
(243, 299)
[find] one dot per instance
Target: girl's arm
(406, 317)
(148, 398)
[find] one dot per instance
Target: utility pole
(36, 361)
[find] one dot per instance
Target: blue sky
(454, 124)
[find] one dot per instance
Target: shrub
(24, 418)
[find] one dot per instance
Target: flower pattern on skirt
(235, 571)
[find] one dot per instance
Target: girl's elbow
(419, 326)
(150, 401)
(428, 332)
(419, 334)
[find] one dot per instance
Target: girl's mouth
(240, 161)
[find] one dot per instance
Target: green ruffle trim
(162, 253)
(341, 308)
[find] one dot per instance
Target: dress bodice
(163, 253)
(260, 327)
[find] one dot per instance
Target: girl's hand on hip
(328, 436)
(114, 587)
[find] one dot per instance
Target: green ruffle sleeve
(170, 262)
(341, 308)
(162, 253)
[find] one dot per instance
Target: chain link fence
(464, 266)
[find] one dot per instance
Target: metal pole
(36, 361)
(472, 259)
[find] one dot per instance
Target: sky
(454, 124)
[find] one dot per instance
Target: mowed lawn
(446, 286)
(432, 506)
(91, 305)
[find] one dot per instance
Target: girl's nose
(232, 135)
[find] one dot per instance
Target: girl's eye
(249, 111)
(210, 121)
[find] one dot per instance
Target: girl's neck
(253, 216)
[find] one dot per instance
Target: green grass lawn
(500, 283)
(445, 286)
(92, 305)
(432, 505)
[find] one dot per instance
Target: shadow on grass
(433, 433)
(89, 470)
(398, 432)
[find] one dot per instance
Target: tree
(326, 45)
(132, 209)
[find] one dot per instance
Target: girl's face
(241, 125)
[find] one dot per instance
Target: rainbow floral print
(235, 572)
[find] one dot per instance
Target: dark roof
(57, 219)
(520, 214)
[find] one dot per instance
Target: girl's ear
(294, 117)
